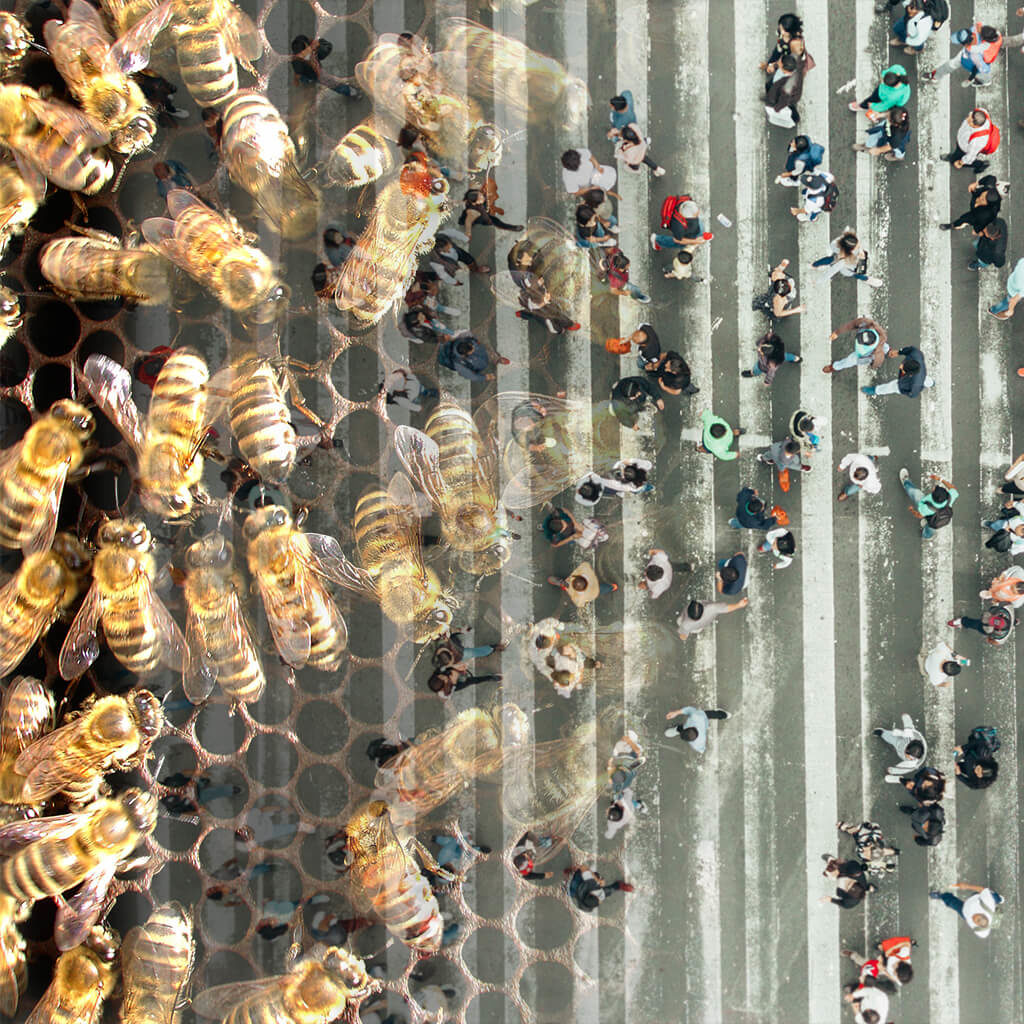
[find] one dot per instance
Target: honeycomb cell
(423, 713)
(221, 856)
(318, 399)
(51, 383)
(322, 728)
(357, 373)
(544, 923)
(105, 343)
(488, 953)
(276, 703)
(13, 363)
(492, 1008)
(272, 822)
(369, 641)
(544, 985)
(222, 790)
(271, 757)
(109, 489)
(14, 421)
(225, 921)
(371, 695)
(176, 834)
(322, 790)
(54, 213)
(53, 329)
(218, 731)
(138, 197)
(177, 761)
(313, 855)
(224, 968)
(363, 435)
(359, 768)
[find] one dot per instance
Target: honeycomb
(251, 799)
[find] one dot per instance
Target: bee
(33, 473)
(384, 877)
(97, 69)
(28, 714)
(318, 987)
(260, 157)
(61, 143)
(13, 976)
(15, 42)
(168, 444)
(98, 267)
(10, 314)
(407, 214)
(21, 191)
(451, 463)
(218, 645)
(156, 963)
(138, 628)
(106, 735)
(388, 540)
(48, 856)
(213, 250)
(210, 35)
(287, 566)
(83, 978)
(361, 156)
(45, 585)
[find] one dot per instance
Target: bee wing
(199, 675)
(224, 385)
(84, 13)
(110, 385)
(321, 553)
(58, 1004)
(170, 636)
(159, 233)
(220, 1000)
(244, 37)
(131, 52)
(10, 989)
(19, 834)
(293, 638)
(24, 722)
(35, 621)
(81, 645)
(53, 761)
(78, 913)
(422, 460)
(75, 126)
(352, 577)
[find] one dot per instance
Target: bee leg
(431, 863)
(297, 397)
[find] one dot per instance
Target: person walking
(659, 572)
(912, 379)
(912, 30)
(863, 471)
(934, 509)
(622, 112)
(870, 1004)
(876, 853)
(672, 373)
(717, 437)
(870, 347)
(685, 229)
(782, 545)
(941, 665)
(751, 513)
(802, 155)
(590, 232)
(581, 170)
(978, 910)
(818, 193)
(771, 354)
(852, 885)
(694, 725)
(698, 616)
(731, 575)
(995, 624)
(1006, 588)
(888, 137)
(990, 246)
(630, 396)
(1014, 289)
(892, 91)
(632, 148)
(582, 585)
(928, 822)
(587, 889)
(847, 257)
(976, 137)
(1007, 531)
(985, 201)
(464, 354)
(974, 763)
(981, 48)
(615, 264)
(910, 747)
(523, 856)
(776, 302)
(896, 955)
(787, 456)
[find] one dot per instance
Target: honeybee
(318, 987)
(407, 214)
(10, 314)
(260, 157)
(51, 855)
(13, 976)
(98, 267)
(453, 465)
(210, 36)
(15, 42)
(21, 191)
(138, 627)
(213, 250)
(361, 156)
(156, 963)
(384, 877)
(218, 645)
(108, 734)
(55, 139)
(287, 566)
(169, 443)
(83, 978)
(33, 473)
(45, 585)
(96, 70)
(388, 540)
(28, 713)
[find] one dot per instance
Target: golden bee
(156, 963)
(288, 567)
(384, 877)
(83, 978)
(213, 249)
(393, 573)
(21, 191)
(28, 713)
(260, 157)
(318, 987)
(218, 644)
(13, 976)
(452, 463)
(169, 443)
(407, 214)
(33, 473)
(106, 735)
(48, 856)
(10, 314)
(361, 156)
(15, 42)
(44, 586)
(138, 628)
(98, 267)
(61, 143)
(210, 35)
(97, 70)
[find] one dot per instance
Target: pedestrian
(590, 232)
(869, 970)
(870, 1004)
(699, 616)
(672, 373)
(560, 527)
(896, 952)
(524, 855)
(985, 201)
(631, 476)
(582, 585)
(804, 427)
(892, 91)
(731, 574)
(848, 258)
(863, 471)
(581, 170)
(1006, 588)
(910, 748)
(623, 811)
(976, 137)
(873, 850)
(717, 437)
(934, 509)
(475, 212)
(912, 30)
(786, 85)
(419, 326)
(941, 665)
(818, 194)
(1014, 289)
(338, 245)
(927, 785)
(622, 112)
(538, 304)
(751, 513)
(425, 293)
(681, 267)
(912, 379)
(694, 726)
(995, 624)
(990, 246)
(776, 303)
(981, 46)
(1007, 531)
(615, 265)
(600, 201)
(870, 347)
(587, 889)
(158, 92)
(684, 228)
(450, 650)
(630, 396)
(771, 354)
(381, 750)
(978, 910)
(974, 763)
(564, 667)
(928, 822)
(786, 456)
(888, 137)
(453, 851)
(782, 545)
(659, 572)
(464, 354)
(402, 387)
(802, 156)
(541, 640)
(447, 258)
(646, 339)
(451, 673)
(852, 885)
(789, 27)
(632, 147)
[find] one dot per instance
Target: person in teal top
(892, 91)
(942, 495)
(717, 436)
(1003, 310)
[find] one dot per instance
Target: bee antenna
(120, 175)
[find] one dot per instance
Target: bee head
(141, 808)
(273, 306)
(247, 276)
(14, 38)
(435, 623)
(126, 533)
(212, 551)
(75, 417)
(10, 304)
(268, 517)
(135, 136)
(148, 713)
(347, 970)
(104, 942)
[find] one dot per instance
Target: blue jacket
(912, 384)
(620, 118)
(752, 520)
(470, 366)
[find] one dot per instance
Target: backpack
(985, 736)
(814, 155)
(993, 139)
(1000, 541)
(999, 621)
(938, 11)
(831, 196)
(940, 517)
(669, 207)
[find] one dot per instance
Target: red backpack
(669, 207)
(993, 137)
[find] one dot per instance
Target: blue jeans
(1002, 306)
(899, 30)
(450, 851)
(851, 489)
(916, 495)
(599, 232)
(757, 371)
(666, 240)
(951, 901)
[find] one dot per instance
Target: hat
(813, 182)
(592, 589)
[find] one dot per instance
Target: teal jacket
(891, 95)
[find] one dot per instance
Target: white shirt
(588, 174)
(624, 485)
(871, 484)
(972, 147)
(871, 998)
(781, 560)
(628, 813)
(983, 903)
(593, 534)
(933, 663)
(908, 765)
(658, 587)
(546, 627)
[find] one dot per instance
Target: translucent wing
(110, 385)
(200, 672)
(85, 14)
(131, 51)
(144, 954)
(354, 578)
(55, 760)
(406, 501)
(321, 553)
(170, 636)
(13, 648)
(292, 635)
(422, 460)
(27, 713)
(159, 233)
(60, 1005)
(81, 645)
(179, 200)
(221, 1000)
(244, 37)
(75, 126)
(79, 912)
(19, 834)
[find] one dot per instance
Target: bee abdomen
(207, 66)
(261, 424)
(132, 636)
(361, 156)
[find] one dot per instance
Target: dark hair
(633, 474)
(650, 333)
(891, 78)
(589, 491)
(464, 346)
(730, 574)
(792, 24)
(904, 972)
(429, 276)
(630, 135)
(684, 256)
(755, 505)
(584, 213)
(992, 229)
(978, 113)
(561, 677)
(411, 319)
(618, 102)
(801, 144)
(940, 493)
(543, 640)
(676, 364)
(951, 668)
(848, 241)
(898, 115)
(299, 43)
(992, 196)
(619, 260)
(615, 813)
(593, 197)
(870, 1017)
(654, 572)
(690, 733)
(911, 366)
(695, 609)
(789, 62)
(860, 473)
(915, 748)
(786, 544)
(988, 33)
(781, 286)
(790, 447)
(717, 430)
(437, 681)
(571, 160)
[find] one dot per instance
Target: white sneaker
(658, 171)
(802, 217)
(673, 731)
(874, 282)
(904, 476)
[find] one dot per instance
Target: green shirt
(926, 506)
(718, 446)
